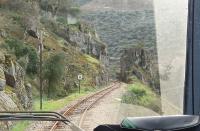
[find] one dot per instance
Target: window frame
(192, 75)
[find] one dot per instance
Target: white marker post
(80, 77)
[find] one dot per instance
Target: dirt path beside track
(110, 110)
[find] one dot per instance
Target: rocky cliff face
(12, 74)
(17, 99)
(87, 41)
(7, 104)
(122, 29)
(91, 45)
(143, 64)
(85, 38)
(2, 76)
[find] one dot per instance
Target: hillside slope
(121, 24)
(77, 46)
(125, 5)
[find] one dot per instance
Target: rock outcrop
(87, 41)
(20, 90)
(82, 36)
(2, 79)
(14, 77)
(143, 64)
(7, 104)
(2, 76)
(8, 101)
(10, 71)
(119, 32)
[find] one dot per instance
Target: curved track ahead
(82, 106)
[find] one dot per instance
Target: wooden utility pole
(41, 81)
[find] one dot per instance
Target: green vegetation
(52, 105)
(55, 104)
(54, 69)
(123, 30)
(48, 105)
(92, 60)
(18, 47)
(140, 94)
(62, 20)
(20, 126)
(21, 51)
(9, 90)
(133, 28)
(33, 62)
(20, 21)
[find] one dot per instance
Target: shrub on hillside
(23, 51)
(32, 66)
(142, 95)
(17, 46)
(53, 72)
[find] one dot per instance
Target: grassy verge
(140, 94)
(21, 126)
(52, 105)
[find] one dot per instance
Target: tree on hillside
(23, 51)
(32, 66)
(53, 72)
(59, 7)
(55, 6)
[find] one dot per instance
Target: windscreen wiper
(37, 116)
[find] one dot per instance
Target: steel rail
(91, 105)
(70, 111)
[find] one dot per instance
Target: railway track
(78, 111)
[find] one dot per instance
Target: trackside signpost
(80, 77)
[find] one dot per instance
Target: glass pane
(108, 59)
(171, 28)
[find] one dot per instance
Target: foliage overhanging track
(84, 105)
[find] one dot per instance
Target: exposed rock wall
(142, 63)
(7, 104)
(122, 29)
(88, 42)
(14, 77)
(7, 100)
(21, 91)
(83, 37)
(2, 76)
(9, 71)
